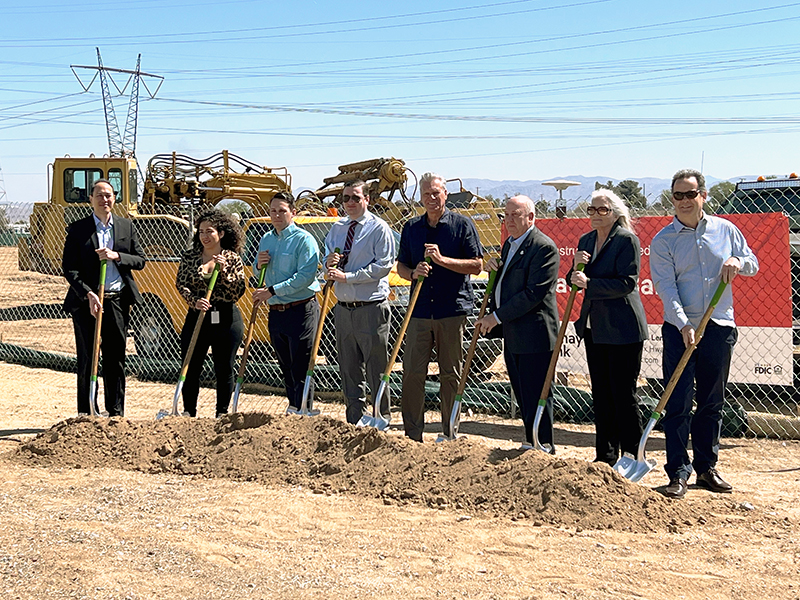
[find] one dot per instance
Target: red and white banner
(762, 304)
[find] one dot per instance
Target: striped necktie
(348, 244)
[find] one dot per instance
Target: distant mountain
(533, 188)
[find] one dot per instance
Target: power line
(195, 35)
(560, 120)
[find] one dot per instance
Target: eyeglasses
(600, 210)
(691, 195)
(353, 199)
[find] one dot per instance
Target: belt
(108, 295)
(282, 307)
(359, 304)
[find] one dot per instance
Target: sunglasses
(600, 210)
(691, 195)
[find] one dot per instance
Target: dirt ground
(265, 506)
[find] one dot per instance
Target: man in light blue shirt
(688, 259)
(361, 275)
(291, 257)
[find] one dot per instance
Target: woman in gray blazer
(612, 323)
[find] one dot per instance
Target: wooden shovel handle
(99, 321)
(411, 303)
(701, 328)
(199, 324)
(251, 326)
(475, 334)
(551, 370)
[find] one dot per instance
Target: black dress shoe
(712, 481)
(676, 489)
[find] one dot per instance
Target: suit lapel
(503, 256)
(611, 234)
(93, 228)
(520, 253)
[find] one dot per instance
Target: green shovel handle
(580, 267)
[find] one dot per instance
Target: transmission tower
(3, 197)
(117, 144)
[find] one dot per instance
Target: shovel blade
(162, 414)
(536, 421)
(308, 412)
(237, 390)
(632, 469)
(366, 421)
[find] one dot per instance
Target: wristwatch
(271, 290)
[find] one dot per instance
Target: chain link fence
(35, 331)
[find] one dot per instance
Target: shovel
(306, 406)
(551, 370)
(635, 469)
(247, 340)
(456, 412)
(94, 409)
(192, 343)
(377, 420)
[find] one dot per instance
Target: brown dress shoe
(676, 489)
(712, 481)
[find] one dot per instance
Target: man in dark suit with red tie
(524, 304)
(102, 236)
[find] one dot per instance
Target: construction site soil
(325, 455)
(267, 506)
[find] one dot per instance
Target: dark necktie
(348, 244)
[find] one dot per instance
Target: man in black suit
(97, 237)
(524, 303)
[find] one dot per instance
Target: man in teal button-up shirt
(291, 257)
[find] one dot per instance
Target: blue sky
(515, 89)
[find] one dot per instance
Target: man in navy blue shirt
(451, 242)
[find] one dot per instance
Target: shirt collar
(362, 219)
(446, 216)
(678, 226)
(524, 235)
(287, 231)
(99, 224)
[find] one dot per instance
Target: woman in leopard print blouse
(217, 241)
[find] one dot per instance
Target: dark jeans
(527, 373)
(112, 348)
(291, 333)
(614, 369)
(223, 339)
(708, 370)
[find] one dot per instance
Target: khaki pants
(446, 335)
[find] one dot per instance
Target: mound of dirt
(329, 456)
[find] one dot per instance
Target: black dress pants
(116, 314)
(224, 339)
(527, 373)
(291, 333)
(614, 369)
